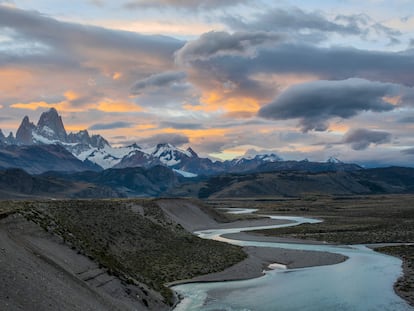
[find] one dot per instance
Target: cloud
(160, 80)
(294, 19)
(98, 3)
(110, 126)
(311, 26)
(314, 103)
(409, 151)
(182, 126)
(253, 152)
(220, 43)
(182, 4)
(77, 46)
(360, 139)
(407, 119)
(172, 138)
(327, 63)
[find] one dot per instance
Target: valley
(114, 240)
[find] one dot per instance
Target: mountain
(96, 150)
(9, 140)
(307, 166)
(302, 183)
(250, 163)
(16, 183)
(51, 130)
(37, 159)
(50, 125)
(135, 181)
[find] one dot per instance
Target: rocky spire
(50, 125)
(192, 152)
(24, 134)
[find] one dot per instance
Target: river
(364, 282)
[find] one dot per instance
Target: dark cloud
(409, 151)
(109, 126)
(278, 19)
(182, 4)
(328, 63)
(407, 119)
(182, 126)
(311, 27)
(360, 139)
(314, 103)
(164, 79)
(175, 139)
(219, 43)
(72, 44)
(390, 32)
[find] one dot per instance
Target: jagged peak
(50, 124)
(134, 146)
(333, 160)
(26, 120)
(263, 155)
(192, 152)
(83, 132)
(165, 145)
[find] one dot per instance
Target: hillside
(131, 240)
(299, 183)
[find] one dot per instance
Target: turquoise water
(364, 282)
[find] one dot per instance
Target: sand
(259, 258)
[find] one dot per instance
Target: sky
(305, 79)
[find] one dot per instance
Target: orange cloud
(116, 76)
(339, 128)
(71, 95)
(393, 100)
(76, 127)
(32, 105)
(155, 27)
(109, 105)
(105, 105)
(234, 106)
(199, 133)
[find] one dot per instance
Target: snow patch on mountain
(185, 174)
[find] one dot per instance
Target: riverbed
(363, 282)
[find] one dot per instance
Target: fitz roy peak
(96, 150)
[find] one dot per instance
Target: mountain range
(47, 146)
(43, 160)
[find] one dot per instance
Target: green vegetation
(133, 239)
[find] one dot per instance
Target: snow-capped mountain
(50, 130)
(334, 160)
(96, 150)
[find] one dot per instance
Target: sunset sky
(302, 78)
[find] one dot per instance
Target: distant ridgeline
(48, 147)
